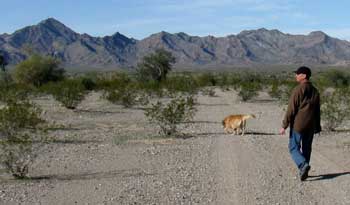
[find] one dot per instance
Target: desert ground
(106, 154)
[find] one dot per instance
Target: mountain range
(248, 48)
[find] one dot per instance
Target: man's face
(300, 77)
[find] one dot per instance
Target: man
(303, 118)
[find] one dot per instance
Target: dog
(236, 123)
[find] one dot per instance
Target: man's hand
(282, 131)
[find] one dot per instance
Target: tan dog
(236, 123)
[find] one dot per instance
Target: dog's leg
(243, 127)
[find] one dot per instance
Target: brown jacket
(303, 113)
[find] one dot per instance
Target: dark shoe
(304, 172)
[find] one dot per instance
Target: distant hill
(248, 48)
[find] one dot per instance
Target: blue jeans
(303, 141)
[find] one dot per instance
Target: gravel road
(90, 163)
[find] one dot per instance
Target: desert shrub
(15, 91)
(113, 81)
(275, 90)
(125, 96)
(20, 136)
(181, 83)
(169, 115)
(248, 91)
(3, 62)
(334, 78)
(228, 82)
(285, 90)
(335, 108)
(6, 79)
(206, 79)
(88, 83)
(155, 66)
(151, 88)
(38, 70)
(208, 91)
(69, 92)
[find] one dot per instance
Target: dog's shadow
(259, 133)
(223, 133)
(327, 176)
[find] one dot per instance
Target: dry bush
(69, 92)
(20, 135)
(169, 115)
(335, 107)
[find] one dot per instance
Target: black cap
(303, 70)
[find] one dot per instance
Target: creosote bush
(285, 90)
(169, 115)
(88, 83)
(126, 96)
(38, 70)
(181, 83)
(248, 91)
(335, 108)
(21, 136)
(15, 91)
(209, 92)
(69, 92)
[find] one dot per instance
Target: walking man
(303, 119)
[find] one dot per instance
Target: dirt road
(88, 165)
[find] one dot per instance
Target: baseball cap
(303, 70)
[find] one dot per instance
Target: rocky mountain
(253, 47)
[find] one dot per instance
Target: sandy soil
(90, 161)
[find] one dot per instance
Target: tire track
(259, 170)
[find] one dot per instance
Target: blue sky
(141, 18)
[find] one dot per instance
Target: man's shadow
(326, 176)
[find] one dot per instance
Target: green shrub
(21, 136)
(209, 91)
(113, 81)
(333, 78)
(3, 62)
(151, 88)
(88, 83)
(38, 70)
(5, 79)
(285, 90)
(181, 83)
(124, 96)
(169, 116)
(15, 91)
(335, 108)
(206, 79)
(155, 66)
(69, 92)
(275, 90)
(127, 95)
(248, 91)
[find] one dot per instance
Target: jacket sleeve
(292, 109)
